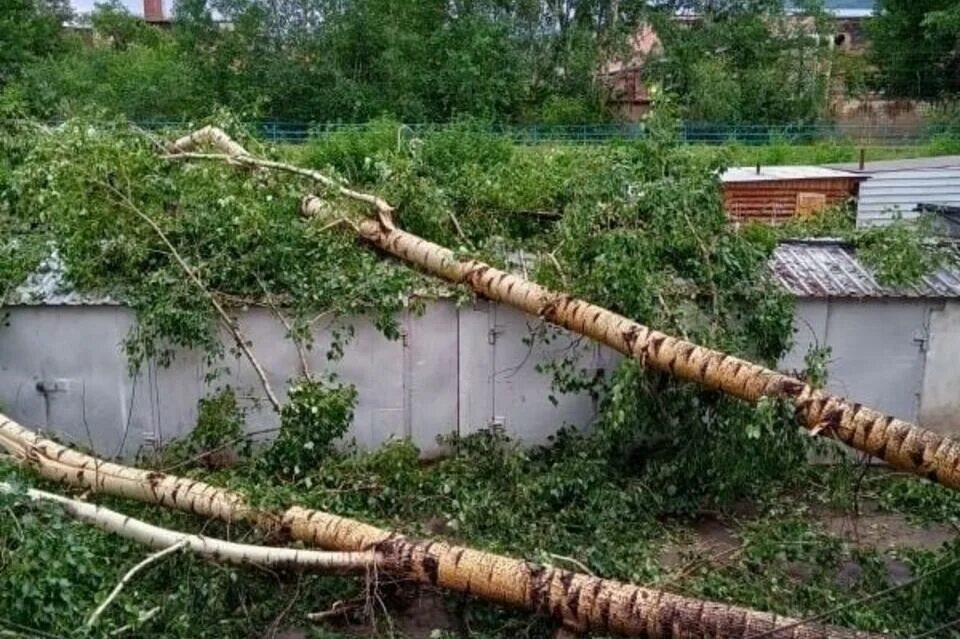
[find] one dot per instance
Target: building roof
(850, 14)
(889, 194)
(778, 173)
(47, 287)
(934, 162)
(828, 268)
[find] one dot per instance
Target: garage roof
(824, 268)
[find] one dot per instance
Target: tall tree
(916, 47)
(29, 30)
(743, 60)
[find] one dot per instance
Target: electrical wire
(940, 628)
(877, 595)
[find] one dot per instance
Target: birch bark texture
(902, 444)
(219, 550)
(583, 603)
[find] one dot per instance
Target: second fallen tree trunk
(902, 444)
(217, 550)
(581, 602)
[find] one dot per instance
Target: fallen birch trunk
(900, 443)
(218, 550)
(580, 602)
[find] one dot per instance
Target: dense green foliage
(315, 416)
(916, 47)
(29, 30)
(745, 61)
(315, 60)
(519, 61)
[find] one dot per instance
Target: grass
(777, 552)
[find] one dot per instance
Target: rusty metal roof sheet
(829, 268)
(780, 173)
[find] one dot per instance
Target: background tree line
(504, 60)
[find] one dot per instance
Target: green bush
(315, 415)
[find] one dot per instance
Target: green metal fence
(690, 132)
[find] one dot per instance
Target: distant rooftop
(777, 173)
(935, 162)
(846, 9)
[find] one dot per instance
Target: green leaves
(928, 68)
(316, 414)
(902, 252)
(749, 62)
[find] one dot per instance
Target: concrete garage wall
(878, 349)
(455, 370)
(940, 403)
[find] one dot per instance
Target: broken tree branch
(208, 135)
(233, 153)
(157, 556)
(577, 600)
(218, 550)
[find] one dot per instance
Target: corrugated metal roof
(778, 173)
(933, 162)
(829, 268)
(46, 287)
(888, 194)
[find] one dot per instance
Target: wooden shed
(776, 194)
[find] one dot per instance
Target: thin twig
(940, 628)
(228, 321)
(456, 224)
(376, 202)
(150, 614)
(272, 632)
(297, 342)
(556, 265)
(208, 453)
(852, 604)
(157, 556)
(575, 562)
(339, 608)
